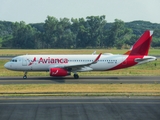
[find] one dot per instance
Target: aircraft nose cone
(6, 65)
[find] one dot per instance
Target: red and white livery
(63, 65)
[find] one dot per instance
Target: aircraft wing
(81, 65)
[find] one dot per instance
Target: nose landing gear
(25, 75)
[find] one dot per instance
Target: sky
(36, 11)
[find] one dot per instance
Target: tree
(23, 35)
(96, 30)
(75, 27)
(58, 33)
(64, 34)
(89, 32)
(156, 40)
(118, 34)
(50, 29)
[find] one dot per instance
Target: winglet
(94, 53)
(95, 61)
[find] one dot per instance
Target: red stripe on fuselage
(128, 62)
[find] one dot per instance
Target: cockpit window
(13, 60)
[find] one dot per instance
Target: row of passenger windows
(14, 60)
(92, 60)
(84, 60)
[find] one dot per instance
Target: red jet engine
(59, 72)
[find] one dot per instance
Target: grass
(16, 52)
(80, 89)
(95, 88)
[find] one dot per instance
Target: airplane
(64, 65)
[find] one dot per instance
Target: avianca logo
(34, 60)
(54, 73)
(49, 60)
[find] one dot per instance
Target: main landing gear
(76, 76)
(25, 75)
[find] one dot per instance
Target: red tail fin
(141, 47)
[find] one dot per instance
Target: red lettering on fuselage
(53, 60)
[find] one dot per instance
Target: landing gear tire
(25, 77)
(76, 76)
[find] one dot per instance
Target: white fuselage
(44, 62)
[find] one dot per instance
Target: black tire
(24, 77)
(76, 76)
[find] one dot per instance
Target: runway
(82, 80)
(80, 108)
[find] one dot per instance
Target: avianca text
(51, 60)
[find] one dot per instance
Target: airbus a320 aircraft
(63, 65)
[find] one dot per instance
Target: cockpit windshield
(13, 60)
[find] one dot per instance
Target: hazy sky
(35, 11)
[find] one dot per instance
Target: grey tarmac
(83, 80)
(80, 108)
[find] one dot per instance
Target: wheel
(76, 76)
(24, 77)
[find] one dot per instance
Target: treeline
(91, 32)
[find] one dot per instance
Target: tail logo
(141, 47)
(54, 73)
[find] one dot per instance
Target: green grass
(80, 90)
(15, 52)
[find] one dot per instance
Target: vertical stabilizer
(142, 45)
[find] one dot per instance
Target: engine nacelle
(59, 72)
